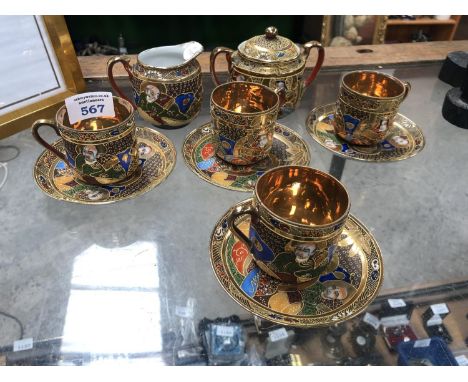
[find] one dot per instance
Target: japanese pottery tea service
(101, 150)
(166, 81)
(243, 116)
(367, 105)
(297, 216)
(274, 61)
(292, 253)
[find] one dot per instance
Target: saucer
(404, 139)
(345, 290)
(157, 159)
(199, 154)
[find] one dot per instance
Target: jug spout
(191, 50)
(170, 57)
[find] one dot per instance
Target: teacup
(297, 216)
(367, 104)
(100, 150)
(243, 116)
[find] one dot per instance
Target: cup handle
(321, 55)
(281, 92)
(228, 52)
(38, 138)
(125, 60)
(407, 86)
(247, 210)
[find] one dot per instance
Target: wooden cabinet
(437, 30)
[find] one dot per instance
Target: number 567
(93, 109)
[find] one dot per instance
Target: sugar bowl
(273, 61)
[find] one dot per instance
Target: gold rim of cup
(221, 90)
(346, 78)
(127, 107)
(293, 180)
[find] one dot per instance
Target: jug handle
(46, 122)
(246, 210)
(321, 55)
(125, 60)
(228, 52)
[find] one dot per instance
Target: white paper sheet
(29, 70)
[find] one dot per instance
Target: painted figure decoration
(350, 125)
(155, 158)
(290, 243)
(383, 125)
(244, 117)
(152, 93)
(106, 155)
(402, 137)
(400, 141)
(344, 289)
(167, 83)
(367, 105)
(199, 154)
(297, 262)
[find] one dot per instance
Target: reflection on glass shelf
(114, 302)
(134, 266)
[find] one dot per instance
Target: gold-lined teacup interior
(242, 97)
(303, 195)
(373, 84)
(98, 123)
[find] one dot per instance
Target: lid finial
(271, 32)
(269, 47)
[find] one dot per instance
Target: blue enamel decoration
(259, 249)
(250, 283)
(350, 124)
(184, 101)
(227, 145)
(206, 164)
(125, 159)
(275, 223)
(331, 251)
(70, 159)
(331, 277)
(386, 145)
(113, 189)
(61, 165)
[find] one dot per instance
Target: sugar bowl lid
(269, 47)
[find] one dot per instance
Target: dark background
(143, 32)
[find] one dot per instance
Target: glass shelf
(107, 284)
